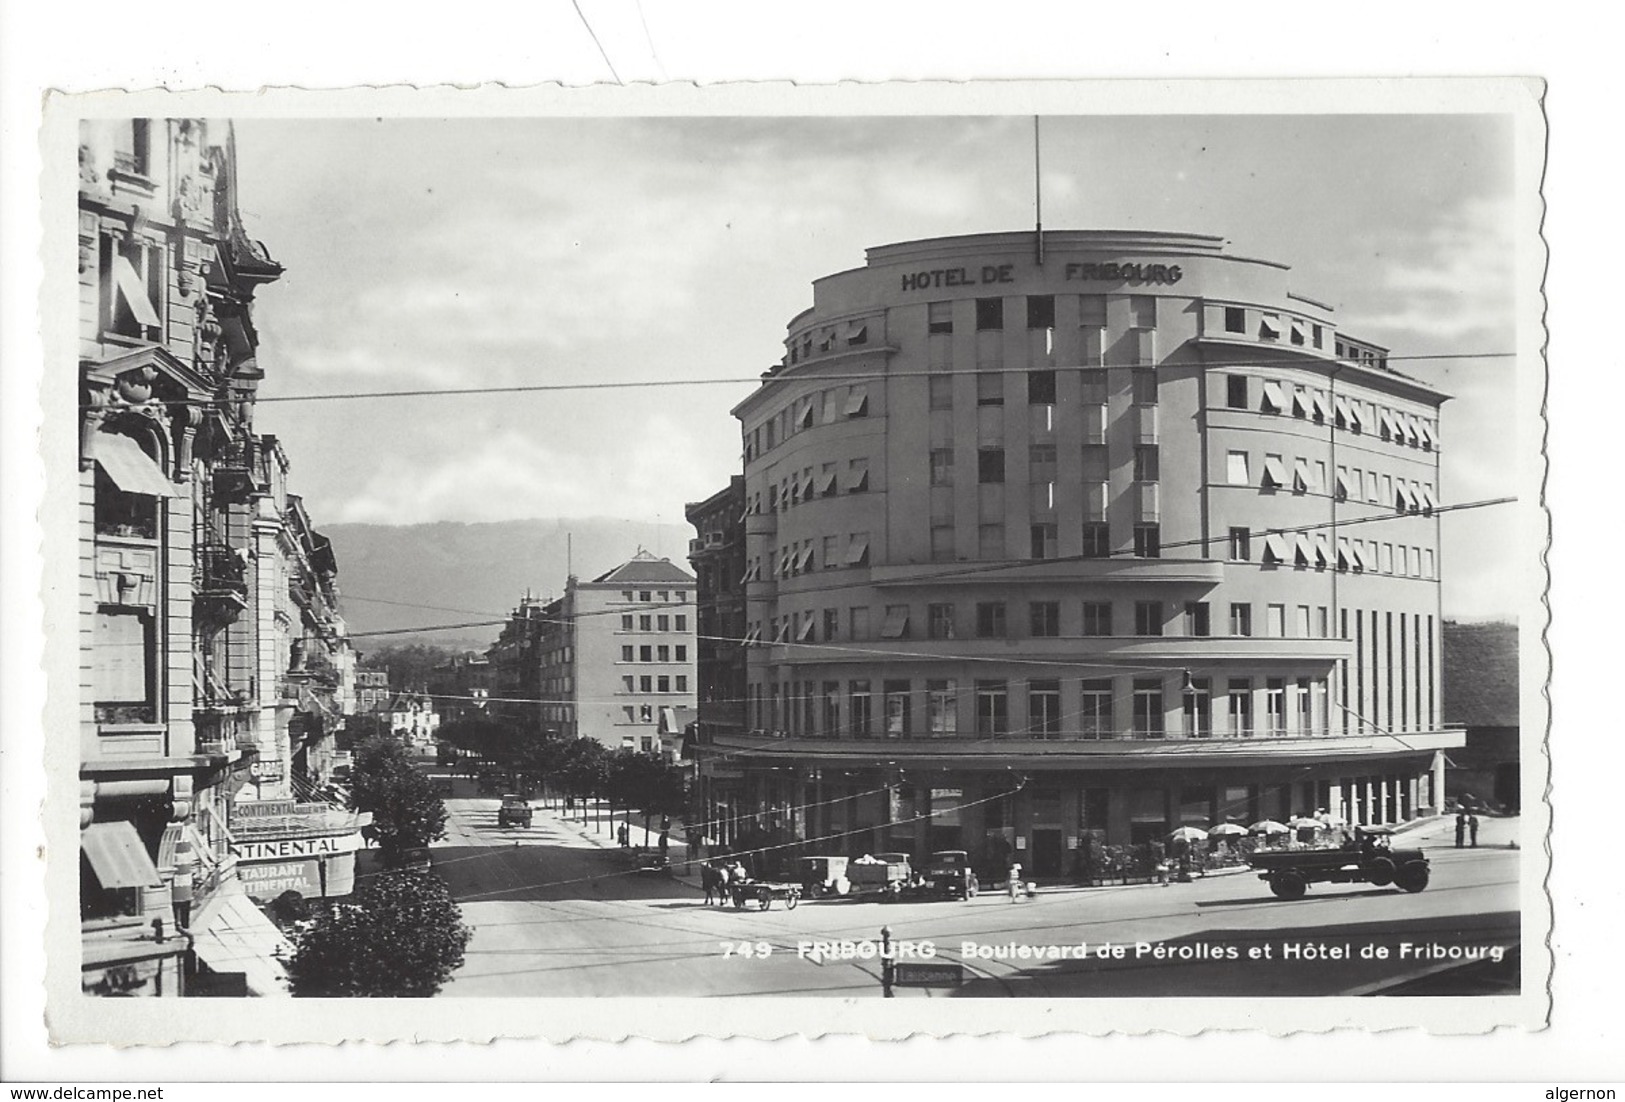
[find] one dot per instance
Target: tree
(406, 810)
(402, 936)
(488, 739)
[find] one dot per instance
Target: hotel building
(1099, 533)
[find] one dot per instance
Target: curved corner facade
(1105, 537)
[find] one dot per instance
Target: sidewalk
(1439, 831)
(682, 869)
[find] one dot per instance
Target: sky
(425, 254)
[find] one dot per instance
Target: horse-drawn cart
(764, 892)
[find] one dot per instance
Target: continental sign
(1113, 272)
(288, 849)
(270, 881)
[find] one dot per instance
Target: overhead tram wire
(769, 380)
(968, 571)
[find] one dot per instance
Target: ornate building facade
(186, 565)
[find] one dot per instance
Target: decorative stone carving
(90, 423)
(135, 387)
(181, 792)
(126, 576)
(187, 421)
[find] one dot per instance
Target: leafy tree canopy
(403, 935)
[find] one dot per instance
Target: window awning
(1298, 332)
(1403, 499)
(806, 632)
(118, 856)
(1341, 405)
(1301, 404)
(237, 937)
(1318, 401)
(1302, 478)
(1385, 417)
(803, 559)
(1276, 548)
(1345, 553)
(784, 562)
(895, 627)
(856, 331)
(857, 551)
(784, 632)
(1269, 327)
(1355, 420)
(804, 418)
(1425, 495)
(857, 403)
(826, 482)
(1274, 472)
(1323, 549)
(753, 636)
(857, 478)
(753, 572)
(1345, 485)
(131, 469)
(1427, 434)
(1306, 549)
(1274, 397)
(1412, 433)
(133, 289)
(1364, 558)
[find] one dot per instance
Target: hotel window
(626, 595)
(989, 314)
(645, 595)
(1198, 708)
(646, 684)
(1040, 311)
(989, 388)
(857, 476)
(1239, 708)
(1198, 622)
(1304, 626)
(896, 624)
(940, 620)
(1148, 541)
(631, 713)
(857, 551)
(861, 709)
(1147, 617)
(125, 673)
(1275, 707)
(628, 683)
(1142, 310)
(1043, 541)
(1236, 469)
(857, 402)
(663, 654)
(832, 554)
(1145, 386)
(663, 623)
(133, 288)
(1306, 706)
(1275, 621)
(1235, 319)
(1147, 467)
(1044, 709)
(1269, 327)
(1297, 331)
(990, 465)
(1241, 620)
(1319, 335)
(1274, 398)
(1385, 558)
(1323, 622)
(1274, 476)
(626, 654)
(1427, 571)
(1097, 541)
(832, 709)
(896, 704)
(1236, 391)
(1401, 563)
(1300, 402)
(1241, 545)
(942, 707)
(858, 623)
(663, 683)
(626, 623)
(992, 708)
(1094, 386)
(990, 622)
(682, 651)
(1148, 714)
(132, 146)
(939, 317)
(942, 543)
(1044, 618)
(940, 389)
(832, 624)
(990, 541)
(1041, 388)
(1095, 709)
(682, 683)
(1097, 618)
(832, 404)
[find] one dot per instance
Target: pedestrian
(665, 844)
(1472, 829)
(1015, 881)
(1461, 829)
(709, 880)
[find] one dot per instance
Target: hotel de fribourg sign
(1111, 272)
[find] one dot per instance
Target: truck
(1369, 857)
(515, 811)
(883, 874)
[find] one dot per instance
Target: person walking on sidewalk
(1472, 830)
(1461, 829)
(1015, 881)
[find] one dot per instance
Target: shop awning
(118, 856)
(235, 936)
(131, 469)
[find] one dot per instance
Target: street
(556, 913)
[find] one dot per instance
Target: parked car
(948, 874)
(824, 876)
(1369, 857)
(515, 811)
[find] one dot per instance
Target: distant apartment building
(414, 719)
(372, 693)
(461, 688)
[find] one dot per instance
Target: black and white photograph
(850, 548)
